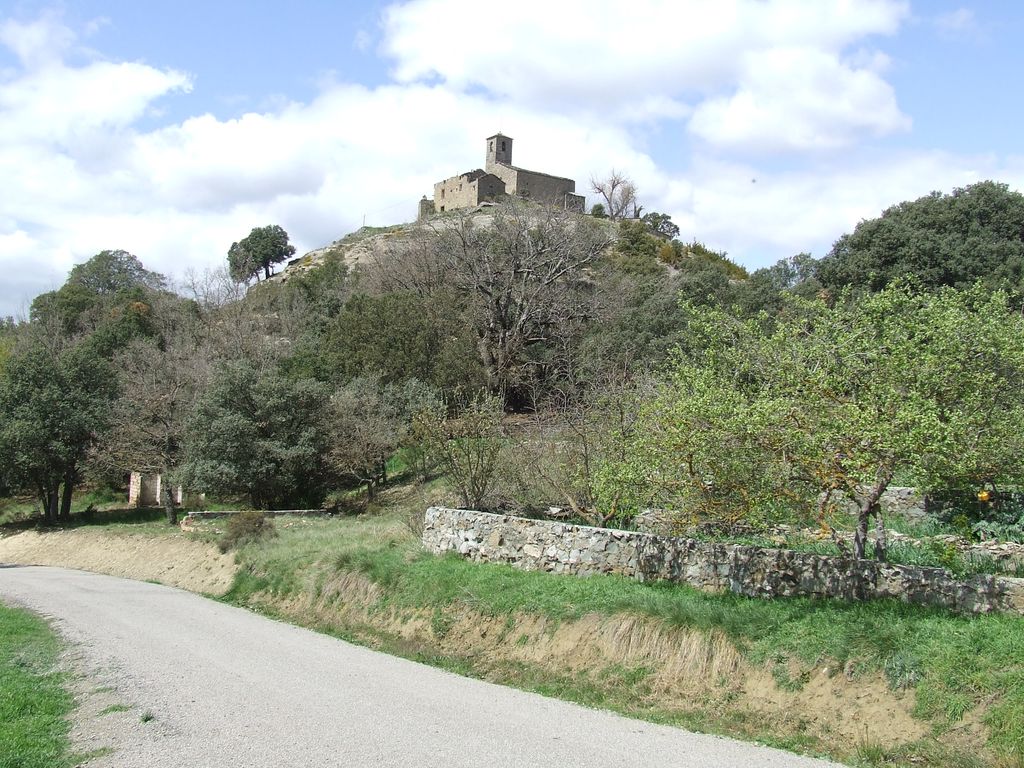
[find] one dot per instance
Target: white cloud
(960, 20)
(761, 216)
(39, 43)
(80, 181)
(795, 99)
(362, 41)
(732, 61)
(63, 104)
(82, 174)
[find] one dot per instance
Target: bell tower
(499, 150)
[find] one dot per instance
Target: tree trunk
(869, 507)
(65, 501)
(168, 499)
(52, 502)
(486, 345)
(861, 536)
(881, 545)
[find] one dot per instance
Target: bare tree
(526, 275)
(370, 421)
(619, 194)
(406, 264)
(159, 385)
(468, 447)
(232, 325)
(366, 434)
(566, 452)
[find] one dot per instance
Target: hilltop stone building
(499, 177)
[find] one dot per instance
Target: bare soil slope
(172, 560)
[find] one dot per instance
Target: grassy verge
(956, 670)
(33, 703)
(963, 678)
(23, 508)
(100, 511)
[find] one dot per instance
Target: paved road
(231, 688)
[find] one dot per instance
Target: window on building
(503, 146)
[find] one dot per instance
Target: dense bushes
(244, 528)
(778, 385)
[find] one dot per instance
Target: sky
(765, 128)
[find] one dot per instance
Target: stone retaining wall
(753, 571)
(214, 514)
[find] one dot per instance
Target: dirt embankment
(172, 560)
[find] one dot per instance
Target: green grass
(34, 705)
(106, 508)
(950, 664)
(22, 508)
(115, 518)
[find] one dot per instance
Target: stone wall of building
(453, 193)
(500, 177)
(533, 185)
(753, 571)
(423, 212)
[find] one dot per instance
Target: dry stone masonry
(499, 177)
(580, 550)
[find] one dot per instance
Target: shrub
(244, 528)
(467, 447)
(1001, 517)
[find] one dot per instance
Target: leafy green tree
(259, 250)
(54, 402)
(8, 335)
(637, 249)
(110, 272)
(766, 286)
(58, 384)
(839, 397)
(975, 233)
(697, 255)
(598, 211)
(371, 420)
(260, 433)
(636, 322)
(403, 335)
(661, 225)
(106, 299)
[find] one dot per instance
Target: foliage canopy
(837, 397)
(259, 250)
(974, 233)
